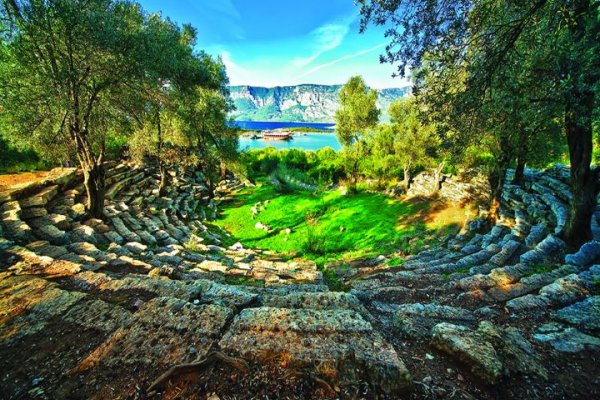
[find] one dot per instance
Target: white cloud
(219, 18)
(339, 60)
(325, 38)
(225, 7)
(237, 74)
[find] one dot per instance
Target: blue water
(304, 141)
(266, 125)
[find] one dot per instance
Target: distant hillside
(302, 103)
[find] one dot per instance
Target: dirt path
(9, 180)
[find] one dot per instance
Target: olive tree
(69, 66)
(488, 39)
(357, 114)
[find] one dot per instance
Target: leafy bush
(13, 159)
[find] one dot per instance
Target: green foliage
(395, 262)
(333, 281)
(358, 111)
(507, 78)
(193, 246)
(403, 145)
(539, 269)
(357, 115)
(78, 78)
(321, 168)
(14, 160)
(243, 281)
(74, 87)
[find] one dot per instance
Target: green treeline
(495, 84)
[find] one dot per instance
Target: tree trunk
(407, 177)
(522, 152)
(579, 110)
(437, 172)
(95, 187)
(211, 188)
(161, 167)
(578, 126)
(519, 172)
(496, 181)
(164, 179)
(94, 176)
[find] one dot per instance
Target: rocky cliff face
(302, 103)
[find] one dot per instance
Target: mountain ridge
(298, 103)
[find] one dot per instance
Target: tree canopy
(509, 71)
(76, 72)
(358, 113)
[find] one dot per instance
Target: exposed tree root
(198, 366)
(322, 383)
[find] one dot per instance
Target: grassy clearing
(325, 226)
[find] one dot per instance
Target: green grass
(539, 269)
(325, 226)
(333, 281)
(395, 262)
(462, 270)
(244, 281)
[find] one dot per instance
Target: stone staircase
(101, 308)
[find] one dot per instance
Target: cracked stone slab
(567, 340)
(338, 345)
(490, 352)
(164, 332)
(585, 314)
(28, 303)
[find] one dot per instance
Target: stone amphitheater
(149, 303)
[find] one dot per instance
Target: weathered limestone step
(490, 352)
(89, 249)
(28, 262)
(121, 182)
(501, 276)
(584, 315)
(41, 198)
(164, 332)
(550, 247)
(529, 283)
(98, 315)
(560, 211)
(61, 222)
(537, 233)
(85, 233)
(44, 248)
(416, 320)
(33, 212)
(123, 231)
(314, 301)
(52, 234)
(338, 345)
(230, 296)
(563, 291)
(28, 303)
(566, 339)
(587, 254)
(506, 253)
(15, 228)
(188, 291)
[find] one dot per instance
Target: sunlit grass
(324, 226)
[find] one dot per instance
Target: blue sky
(278, 42)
